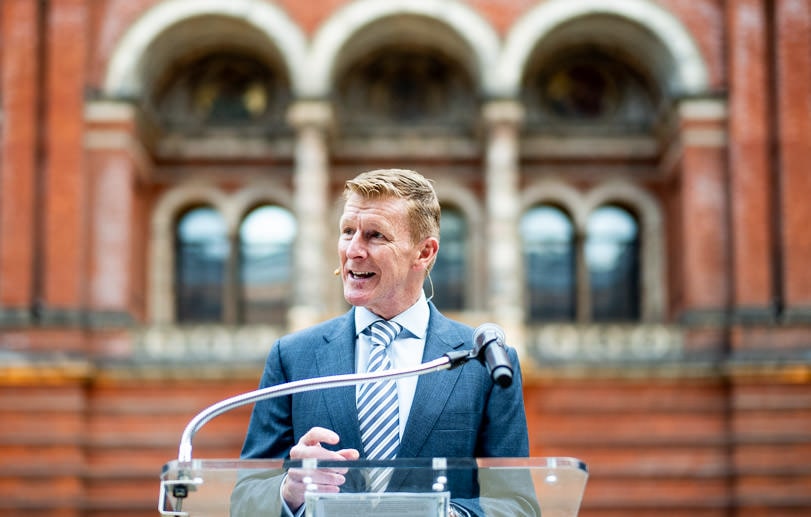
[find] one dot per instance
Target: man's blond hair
(423, 204)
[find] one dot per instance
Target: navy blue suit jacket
(458, 413)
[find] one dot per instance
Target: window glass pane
(266, 264)
(612, 258)
(450, 268)
(201, 251)
(549, 261)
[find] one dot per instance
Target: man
(389, 239)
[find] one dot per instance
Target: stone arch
(626, 193)
(244, 199)
(123, 77)
(560, 193)
(459, 195)
(348, 21)
(690, 76)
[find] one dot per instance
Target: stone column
(313, 268)
(504, 260)
(582, 278)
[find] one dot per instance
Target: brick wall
(85, 427)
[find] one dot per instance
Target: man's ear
(427, 252)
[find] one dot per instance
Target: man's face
(381, 268)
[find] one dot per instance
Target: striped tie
(378, 411)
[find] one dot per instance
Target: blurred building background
(625, 190)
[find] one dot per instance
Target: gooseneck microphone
(489, 338)
(488, 347)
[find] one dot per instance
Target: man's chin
(356, 297)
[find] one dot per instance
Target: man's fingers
(325, 480)
(316, 435)
(349, 454)
(309, 446)
(318, 477)
(300, 452)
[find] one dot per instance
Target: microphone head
(489, 348)
(487, 333)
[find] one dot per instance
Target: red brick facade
(720, 425)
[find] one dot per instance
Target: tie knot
(384, 332)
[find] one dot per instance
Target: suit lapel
(336, 357)
(433, 389)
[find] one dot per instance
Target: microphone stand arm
(446, 362)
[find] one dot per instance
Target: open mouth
(361, 274)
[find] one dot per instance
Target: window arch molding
(691, 75)
(245, 199)
(330, 39)
(232, 207)
(123, 77)
(558, 193)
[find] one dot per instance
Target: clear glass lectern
(422, 487)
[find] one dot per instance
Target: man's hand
(327, 480)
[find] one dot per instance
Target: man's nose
(355, 246)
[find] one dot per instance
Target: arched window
(266, 265)
(589, 89)
(249, 282)
(549, 261)
(450, 269)
(612, 259)
(221, 90)
(201, 251)
(410, 87)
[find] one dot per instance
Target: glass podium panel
(422, 487)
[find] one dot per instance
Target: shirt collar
(414, 319)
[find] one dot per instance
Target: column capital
(317, 113)
(503, 111)
(703, 108)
